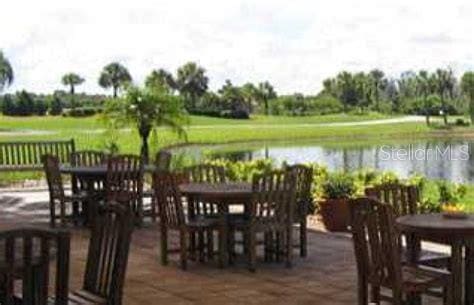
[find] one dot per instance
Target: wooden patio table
(224, 195)
(91, 175)
(459, 234)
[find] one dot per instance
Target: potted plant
(334, 208)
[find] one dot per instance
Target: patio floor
(326, 276)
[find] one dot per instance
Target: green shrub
(339, 185)
(82, 112)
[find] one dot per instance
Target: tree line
(422, 92)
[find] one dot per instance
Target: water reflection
(450, 160)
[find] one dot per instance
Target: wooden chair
(378, 255)
(124, 183)
(303, 202)
(107, 258)
(173, 217)
(270, 212)
(404, 200)
(162, 164)
(57, 196)
(26, 256)
(88, 158)
(204, 173)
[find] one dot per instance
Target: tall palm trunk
(471, 107)
(115, 88)
(144, 151)
(73, 102)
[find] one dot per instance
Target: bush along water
(327, 184)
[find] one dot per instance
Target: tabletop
(230, 189)
(437, 223)
(98, 170)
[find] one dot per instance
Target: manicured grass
(89, 133)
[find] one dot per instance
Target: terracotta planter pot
(335, 214)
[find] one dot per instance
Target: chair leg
(52, 211)
(303, 238)
(267, 246)
(183, 249)
(277, 247)
(153, 209)
(362, 286)
(210, 244)
(62, 212)
(201, 246)
(375, 295)
(252, 251)
(289, 246)
(164, 244)
(231, 244)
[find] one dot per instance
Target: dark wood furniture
(88, 158)
(107, 259)
(459, 233)
(303, 203)
(26, 156)
(405, 200)
(173, 217)
(162, 164)
(93, 174)
(378, 256)
(124, 183)
(204, 173)
(223, 195)
(270, 212)
(57, 195)
(25, 255)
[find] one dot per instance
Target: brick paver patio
(326, 277)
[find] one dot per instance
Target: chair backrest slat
(108, 253)
(26, 255)
(124, 182)
(206, 173)
(403, 198)
(168, 197)
(304, 180)
(53, 177)
(376, 242)
(273, 195)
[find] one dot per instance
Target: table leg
(456, 269)
(469, 284)
(412, 256)
(223, 237)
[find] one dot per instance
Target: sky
(292, 44)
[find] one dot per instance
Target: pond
(437, 159)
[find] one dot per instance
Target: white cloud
(293, 44)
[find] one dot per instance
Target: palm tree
(72, 80)
(116, 76)
(377, 77)
(425, 86)
(146, 109)
(250, 94)
(445, 83)
(6, 72)
(161, 79)
(467, 87)
(192, 83)
(265, 92)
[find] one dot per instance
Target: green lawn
(91, 133)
